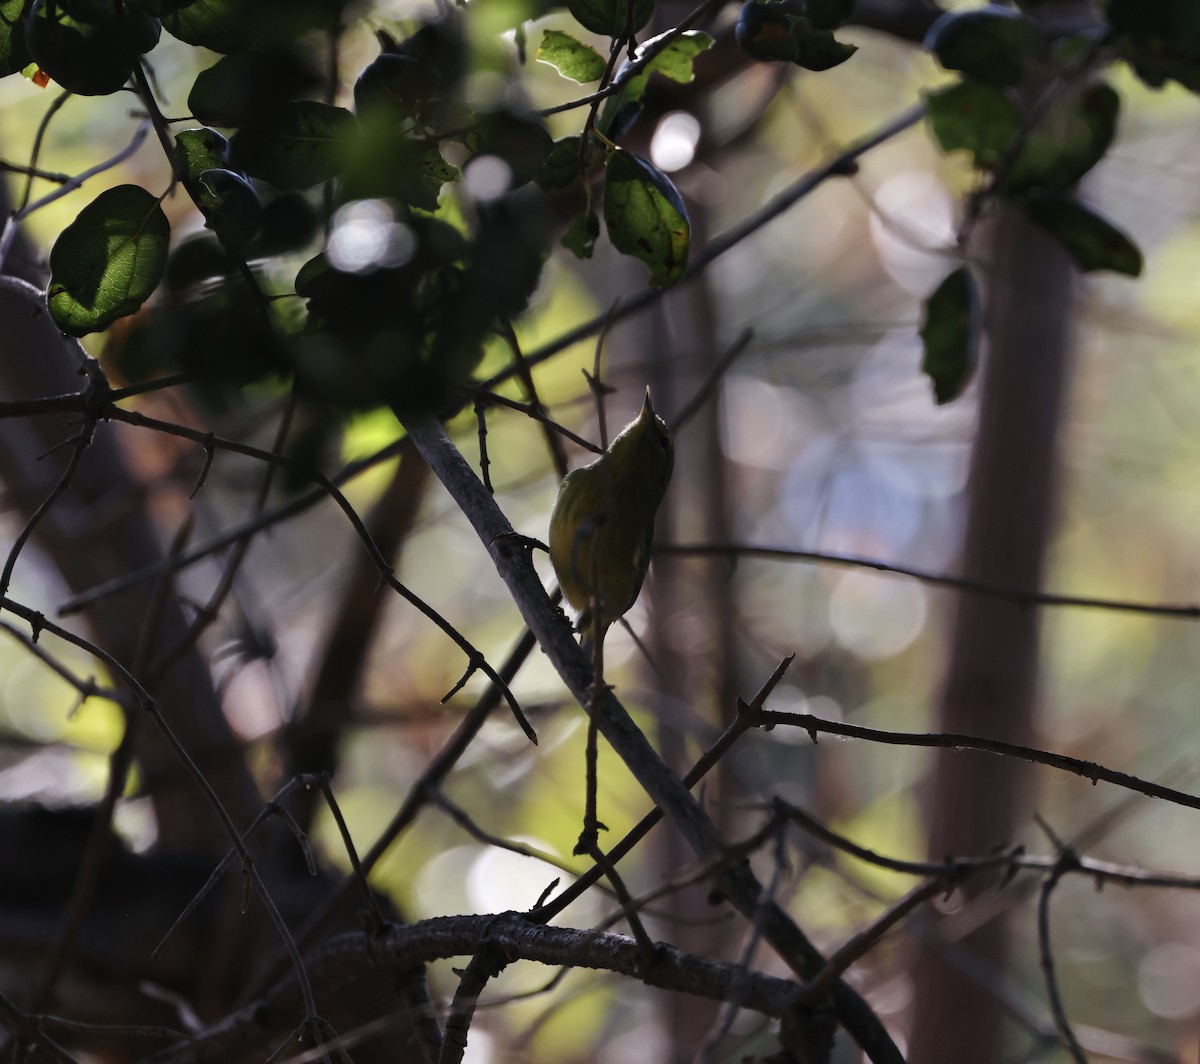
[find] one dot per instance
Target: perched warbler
(603, 522)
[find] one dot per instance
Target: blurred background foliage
(830, 441)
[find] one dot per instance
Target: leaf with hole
(108, 261)
(200, 149)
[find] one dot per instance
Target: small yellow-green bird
(603, 521)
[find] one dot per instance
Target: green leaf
(981, 119)
(610, 18)
(88, 46)
(992, 44)
(766, 32)
(950, 334)
(675, 61)
(1070, 139)
(14, 53)
(305, 145)
(200, 149)
(645, 217)
(1092, 241)
(571, 58)
(582, 233)
(108, 261)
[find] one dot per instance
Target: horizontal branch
(1089, 770)
(336, 966)
(1187, 611)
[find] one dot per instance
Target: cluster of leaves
(767, 30)
(643, 212)
(402, 316)
(1033, 155)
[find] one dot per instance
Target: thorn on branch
(485, 463)
(208, 461)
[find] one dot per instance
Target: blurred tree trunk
(691, 637)
(979, 801)
(100, 529)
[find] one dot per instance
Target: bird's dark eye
(664, 443)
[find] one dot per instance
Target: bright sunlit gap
(366, 237)
(673, 145)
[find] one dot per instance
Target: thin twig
(1019, 596)
(9, 233)
(1065, 863)
(1088, 770)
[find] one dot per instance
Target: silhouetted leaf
(982, 119)
(611, 18)
(1093, 242)
(397, 86)
(238, 25)
(305, 145)
(950, 334)
(88, 46)
(582, 233)
(521, 140)
(828, 14)
(249, 88)
(231, 207)
(563, 166)
(765, 31)
(992, 44)
(1161, 40)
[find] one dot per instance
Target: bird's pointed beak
(647, 406)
